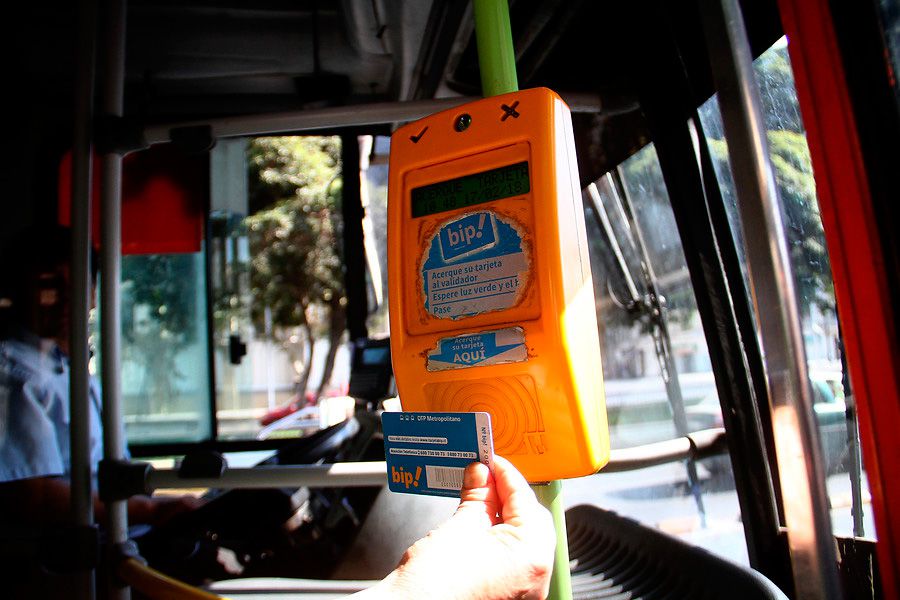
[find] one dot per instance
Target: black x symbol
(509, 111)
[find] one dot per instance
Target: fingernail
(475, 475)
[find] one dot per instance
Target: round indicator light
(462, 122)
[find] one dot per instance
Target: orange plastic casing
(508, 327)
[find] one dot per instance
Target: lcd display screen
(468, 190)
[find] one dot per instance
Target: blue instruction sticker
(479, 350)
(427, 453)
(474, 264)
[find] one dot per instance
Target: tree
(794, 176)
(295, 238)
(805, 236)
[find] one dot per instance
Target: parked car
(296, 403)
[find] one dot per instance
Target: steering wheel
(248, 518)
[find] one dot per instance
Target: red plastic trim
(164, 193)
(856, 260)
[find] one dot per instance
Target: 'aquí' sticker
(474, 264)
(479, 350)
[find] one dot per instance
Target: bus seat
(610, 556)
(613, 556)
(393, 524)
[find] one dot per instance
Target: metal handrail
(80, 285)
(696, 445)
(354, 115)
(112, 105)
(351, 474)
(700, 444)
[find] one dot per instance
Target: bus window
(278, 297)
(889, 11)
(650, 331)
(165, 374)
(846, 483)
(276, 304)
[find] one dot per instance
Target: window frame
(670, 109)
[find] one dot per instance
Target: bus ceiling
(209, 59)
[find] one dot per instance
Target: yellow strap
(157, 586)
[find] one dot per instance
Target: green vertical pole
(497, 61)
(550, 496)
(496, 57)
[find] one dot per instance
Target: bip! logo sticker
(464, 236)
(406, 477)
(474, 264)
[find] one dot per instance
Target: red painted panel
(164, 196)
(854, 248)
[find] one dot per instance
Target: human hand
(498, 544)
(166, 508)
(158, 510)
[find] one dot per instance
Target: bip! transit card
(427, 452)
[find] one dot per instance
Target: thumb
(478, 502)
